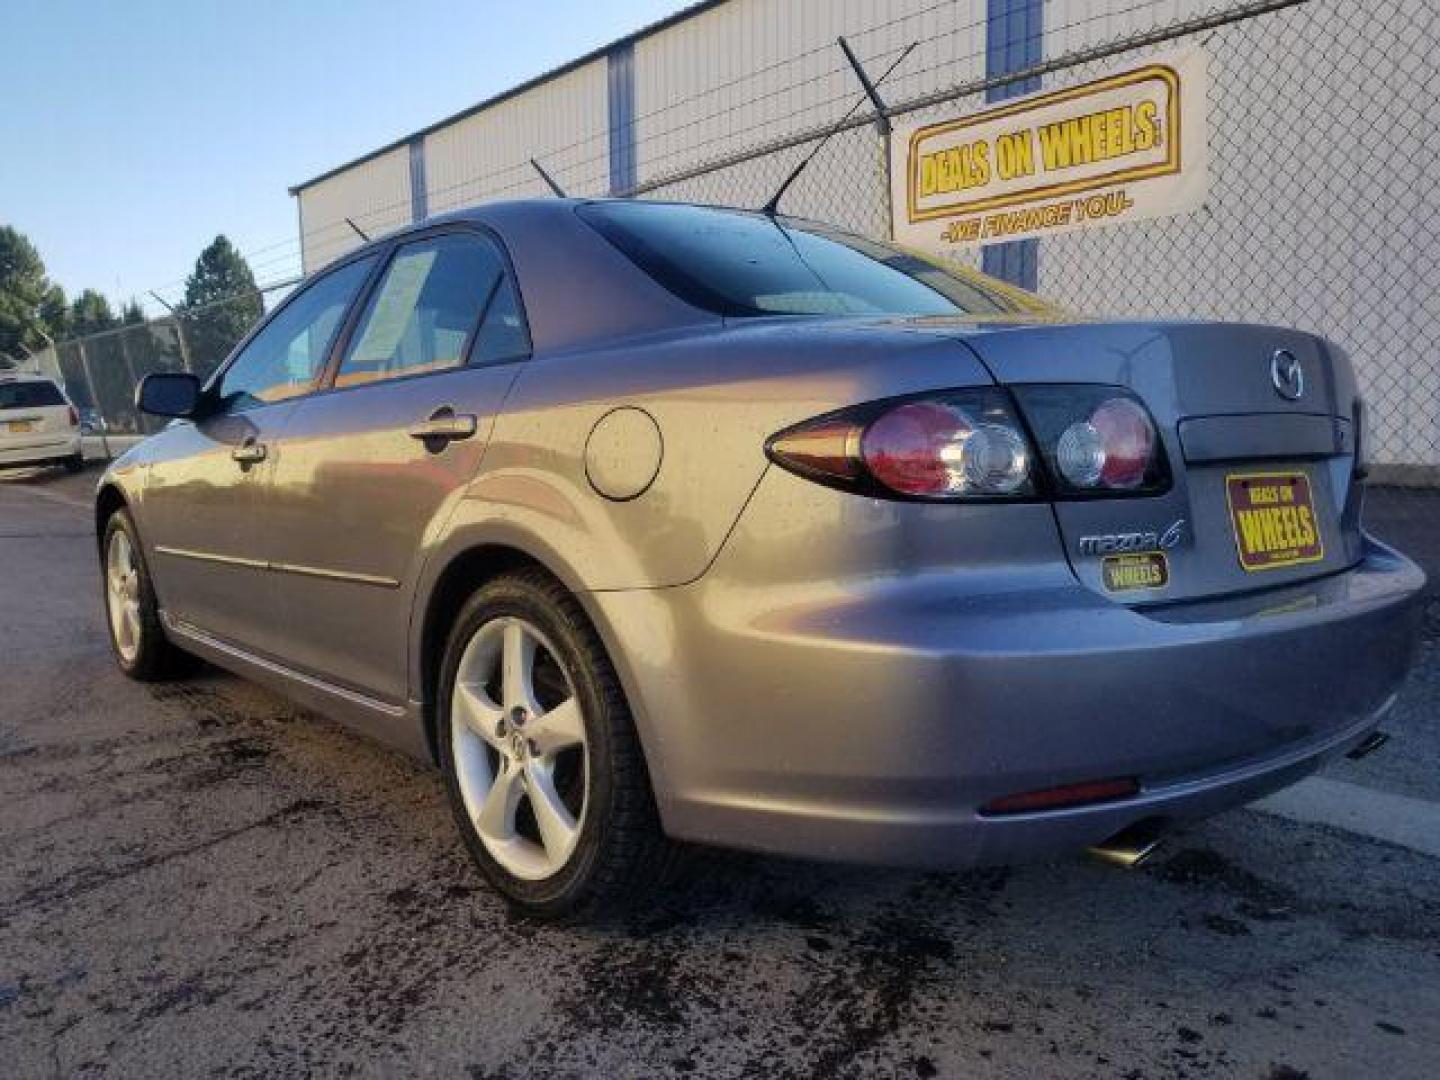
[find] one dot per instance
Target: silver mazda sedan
(655, 522)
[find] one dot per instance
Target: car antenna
(549, 180)
(358, 231)
(771, 208)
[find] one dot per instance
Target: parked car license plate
(21, 425)
(1273, 515)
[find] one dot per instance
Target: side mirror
(169, 394)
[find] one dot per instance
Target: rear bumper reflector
(1062, 797)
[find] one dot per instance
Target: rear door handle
(443, 426)
(249, 453)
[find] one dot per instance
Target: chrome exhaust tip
(1130, 847)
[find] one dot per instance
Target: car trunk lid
(1262, 488)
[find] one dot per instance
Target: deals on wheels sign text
(1122, 148)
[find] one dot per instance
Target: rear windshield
(747, 264)
(30, 395)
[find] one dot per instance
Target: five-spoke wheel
(132, 612)
(540, 754)
(518, 736)
(122, 595)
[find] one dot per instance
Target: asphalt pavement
(200, 879)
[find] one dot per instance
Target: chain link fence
(101, 371)
(1321, 213)
(1322, 208)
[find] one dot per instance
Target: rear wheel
(138, 641)
(540, 756)
(75, 463)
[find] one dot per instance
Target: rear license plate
(21, 425)
(1273, 515)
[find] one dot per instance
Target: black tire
(155, 659)
(75, 463)
(621, 850)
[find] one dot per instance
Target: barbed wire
(448, 197)
(561, 160)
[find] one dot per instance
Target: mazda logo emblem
(1287, 375)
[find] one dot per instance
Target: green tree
(221, 303)
(55, 313)
(131, 314)
(23, 290)
(90, 314)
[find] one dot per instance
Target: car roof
(559, 258)
(551, 207)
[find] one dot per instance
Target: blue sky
(131, 133)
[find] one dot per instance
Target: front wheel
(132, 613)
(541, 760)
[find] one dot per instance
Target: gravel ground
(200, 879)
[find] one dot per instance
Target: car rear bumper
(873, 720)
(42, 451)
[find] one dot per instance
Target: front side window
(736, 263)
(284, 359)
(30, 395)
(443, 302)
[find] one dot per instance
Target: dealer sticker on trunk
(1145, 570)
(1273, 515)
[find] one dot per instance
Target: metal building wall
(562, 122)
(751, 71)
(375, 193)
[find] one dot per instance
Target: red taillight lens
(74, 417)
(964, 444)
(936, 449)
(1128, 439)
(1098, 440)
(906, 448)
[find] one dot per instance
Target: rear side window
(283, 360)
(30, 395)
(739, 264)
(443, 302)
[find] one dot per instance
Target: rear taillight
(74, 417)
(1096, 440)
(956, 445)
(952, 445)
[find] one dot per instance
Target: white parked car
(38, 424)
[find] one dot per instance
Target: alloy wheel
(122, 595)
(521, 756)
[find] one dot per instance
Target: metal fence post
(94, 398)
(179, 330)
(882, 125)
(180, 341)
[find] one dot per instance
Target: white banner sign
(1123, 148)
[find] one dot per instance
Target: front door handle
(249, 453)
(443, 426)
